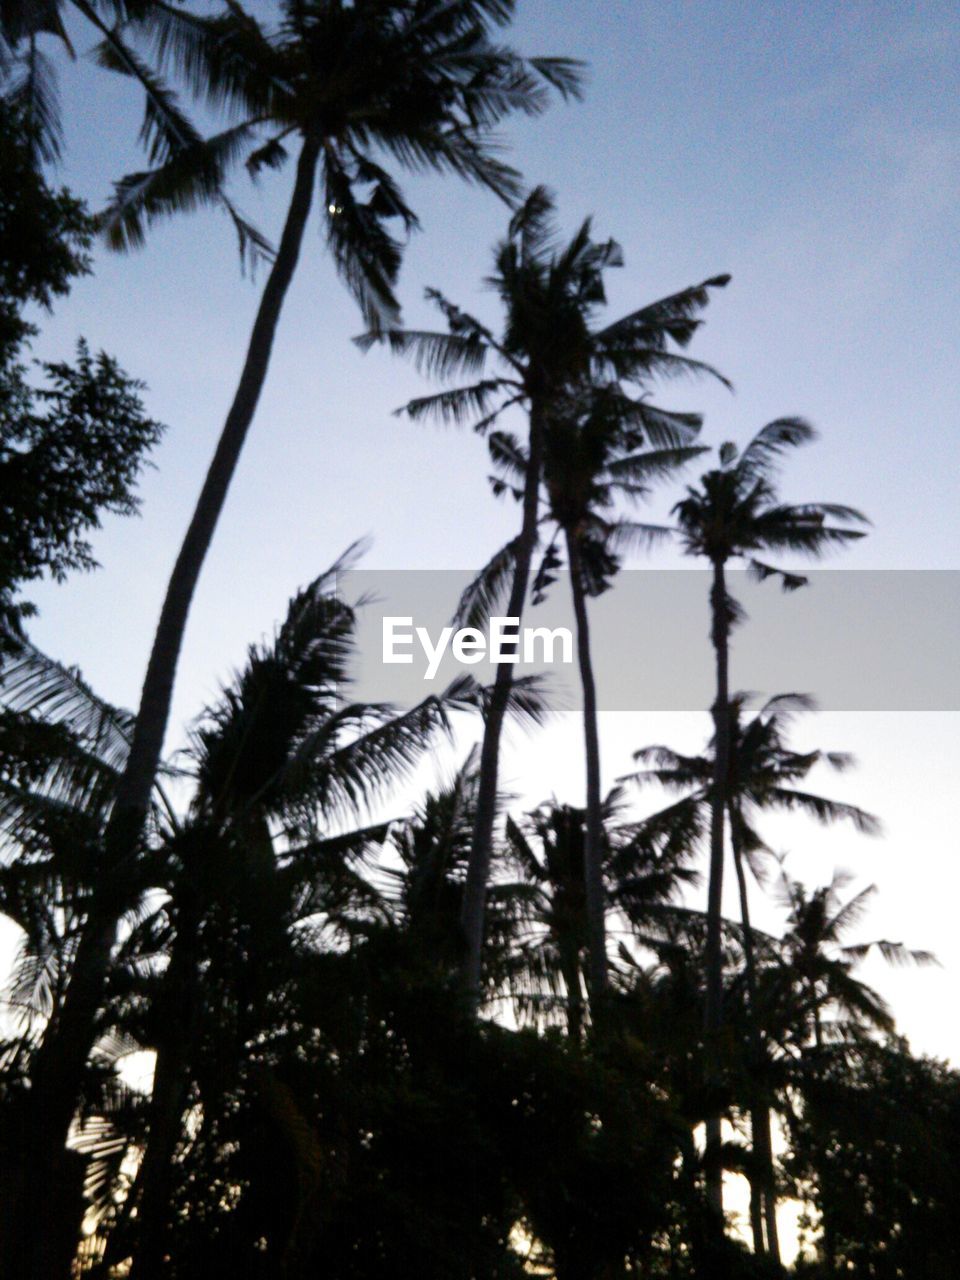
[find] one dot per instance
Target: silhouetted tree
(551, 346)
(424, 83)
(72, 446)
(764, 774)
(735, 513)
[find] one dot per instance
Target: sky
(812, 150)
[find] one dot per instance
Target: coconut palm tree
(829, 1002)
(833, 1025)
(425, 891)
(281, 761)
(284, 767)
(551, 345)
(423, 83)
(735, 514)
(62, 750)
(764, 774)
(547, 850)
(594, 457)
(813, 990)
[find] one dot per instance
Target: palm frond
(193, 177)
(36, 685)
(674, 317)
(33, 92)
(762, 455)
(438, 355)
(486, 595)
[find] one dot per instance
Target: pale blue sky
(811, 149)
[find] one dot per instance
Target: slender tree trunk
(593, 829)
(62, 1056)
(570, 971)
(167, 1100)
(756, 1211)
(720, 634)
(478, 867)
(702, 1251)
(763, 1135)
(764, 1182)
(817, 1021)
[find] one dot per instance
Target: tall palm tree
(735, 514)
(594, 457)
(420, 82)
(764, 774)
(550, 346)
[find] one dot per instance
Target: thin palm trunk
(167, 1101)
(763, 1142)
(570, 971)
(62, 1056)
(720, 635)
(593, 827)
(763, 1183)
(478, 867)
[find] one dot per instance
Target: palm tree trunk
(756, 1211)
(720, 635)
(763, 1140)
(570, 972)
(62, 1056)
(167, 1100)
(478, 867)
(763, 1182)
(593, 829)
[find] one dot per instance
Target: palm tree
(548, 852)
(764, 775)
(62, 750)
(425, 891)
(594, 456)
(280, 752)
(281, 759)
(819, 967)
(421, 82)
(816, 976)
(735, 513)
(550, 346)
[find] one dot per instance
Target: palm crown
(547, 850)
(818, 960)
(735, 511)
(595, 457)
(418, 81)
(764, 774)
(550, 343)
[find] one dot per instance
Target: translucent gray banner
(884, 640)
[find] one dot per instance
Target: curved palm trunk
(593, 831)
(763, 1184)
(478, 867)
(720, 636)
(61, 1059)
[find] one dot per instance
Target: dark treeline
(464, 1041)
